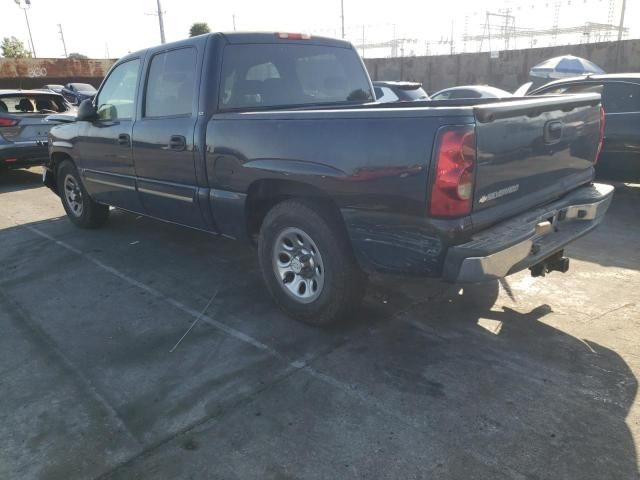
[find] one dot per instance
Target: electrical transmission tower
(612, 8)
(506, 27)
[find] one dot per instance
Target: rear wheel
(80, 207)
(307, 263)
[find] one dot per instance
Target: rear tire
(80, 207)
(307, 263)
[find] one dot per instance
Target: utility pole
(621, 27)
(342, 16)
(25, 6)
(233, 17)
(362, 41)
(64, 45)
(394, 43)
(452, 49)
(161, 22)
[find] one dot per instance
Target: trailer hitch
(555, 263)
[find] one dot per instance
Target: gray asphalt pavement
(527, 379)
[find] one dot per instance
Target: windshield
(255, 76)
(33, 103)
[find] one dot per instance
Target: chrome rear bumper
(517, 244)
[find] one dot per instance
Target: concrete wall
(508, 71)
(36, 72)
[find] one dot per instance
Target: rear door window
(619, 97)
(171, 83)
(270, 75)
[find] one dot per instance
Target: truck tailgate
(532, 151)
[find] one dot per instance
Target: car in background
(25, 119)
(53, 87)
(470, 91)
(620, 156)
(75, 93)
(388, 91)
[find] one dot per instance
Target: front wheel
(307, 263)
(80, 207)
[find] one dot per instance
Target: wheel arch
(264, 194)
(50, 177)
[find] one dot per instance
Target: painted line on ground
(298, 364)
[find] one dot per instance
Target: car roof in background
(244, 38)
(479, 88)
(395, 84)
(28, 92)
(82, 84)
(634, 77)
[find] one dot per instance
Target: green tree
(13, 48)
(199, 29)
(77, 56)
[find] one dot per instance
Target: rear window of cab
(272, 75)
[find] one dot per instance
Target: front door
(104, 144)
(163, 139)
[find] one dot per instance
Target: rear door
(621, 149)
(104, 144)
(532, 151)
(163, 138)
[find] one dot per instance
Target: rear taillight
(602, 124)
(8, 122)
(452, 189)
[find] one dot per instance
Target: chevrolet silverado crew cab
(276, 139)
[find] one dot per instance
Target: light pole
(161, 21)
(342, 16)
(25, 5)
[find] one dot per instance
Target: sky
(101, 28)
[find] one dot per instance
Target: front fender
(61, 147)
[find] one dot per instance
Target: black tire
(90, 214)
(343, 283)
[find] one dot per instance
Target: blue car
(75, 93)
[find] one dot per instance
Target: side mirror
(86, 111)
(379, 93)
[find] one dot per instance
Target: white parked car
(470, 91)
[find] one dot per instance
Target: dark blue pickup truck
(276, 139)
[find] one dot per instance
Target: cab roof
(247, 38)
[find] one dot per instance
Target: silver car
(25, 119)
(470, 91)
